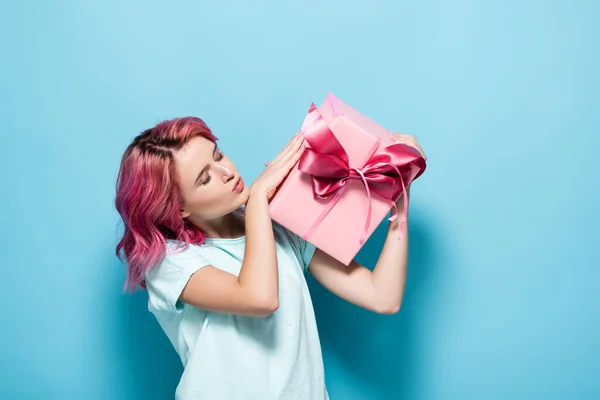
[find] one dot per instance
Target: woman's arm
(256, 290)
(382, 289)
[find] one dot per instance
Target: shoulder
(175, 249)
(166, 280)
(178, 257)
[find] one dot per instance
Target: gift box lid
(367, 138)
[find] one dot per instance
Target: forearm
(389, 274)
(258, 274)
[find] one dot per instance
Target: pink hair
(148, 199)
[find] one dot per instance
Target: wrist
(400, 201)
(259, 192)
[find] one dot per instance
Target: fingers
(401, 136)
(278, 169)
(294, 157)
(409, 140)
(289, 148)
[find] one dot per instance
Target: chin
(242, 198)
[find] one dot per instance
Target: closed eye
(217, 156)
(205, 181)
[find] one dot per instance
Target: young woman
(224, 281)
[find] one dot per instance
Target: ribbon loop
(327, 163)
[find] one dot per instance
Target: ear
(184, 214)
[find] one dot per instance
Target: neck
(229, 226)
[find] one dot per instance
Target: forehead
(198, 146)
(193, 157)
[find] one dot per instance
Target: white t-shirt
(233, 357)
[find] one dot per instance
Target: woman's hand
(278, 169)
(411, 141)
(258, 282)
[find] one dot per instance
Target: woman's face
(210, 185)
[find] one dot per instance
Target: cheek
(207, 203)
(203, 198)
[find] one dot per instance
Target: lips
(239, 185)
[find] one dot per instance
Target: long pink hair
(148, 199)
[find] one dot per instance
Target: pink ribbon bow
(385, 173)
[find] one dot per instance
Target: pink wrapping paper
(339, 225)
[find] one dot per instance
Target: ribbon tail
(401, 233)
(363, 236)
(394, 214)
(330, 204)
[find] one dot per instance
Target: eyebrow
(205, 167)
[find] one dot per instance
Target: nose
(226, 173)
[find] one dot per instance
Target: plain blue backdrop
(502, 296)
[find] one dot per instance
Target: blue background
(502, 296)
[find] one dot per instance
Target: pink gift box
(339, 221)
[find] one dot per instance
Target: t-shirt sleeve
(166, 281)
